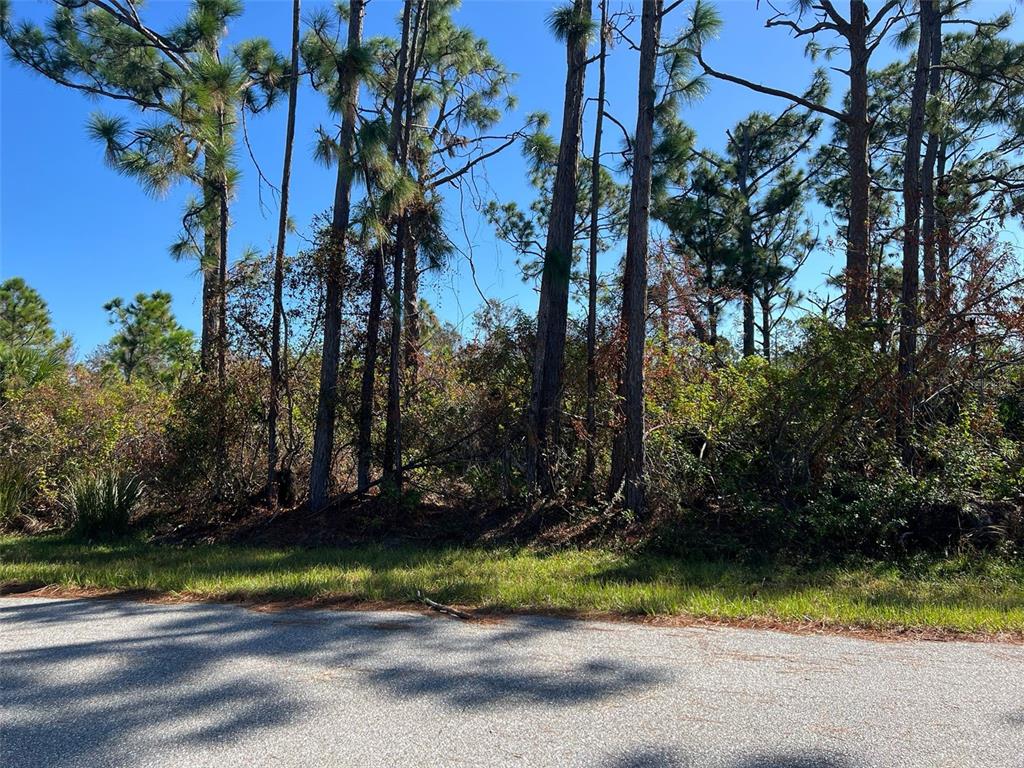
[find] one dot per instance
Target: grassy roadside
(951, 596)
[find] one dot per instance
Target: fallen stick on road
(443, 608)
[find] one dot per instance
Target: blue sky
(81, 234)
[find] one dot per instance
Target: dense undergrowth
(747, 459)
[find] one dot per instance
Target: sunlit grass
(959, 595)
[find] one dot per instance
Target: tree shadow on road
(194, 676)
(661, 758)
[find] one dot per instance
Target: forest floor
(966, 598)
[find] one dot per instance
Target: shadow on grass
(871, 586)
(498, 579)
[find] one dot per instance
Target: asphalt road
(115, 683)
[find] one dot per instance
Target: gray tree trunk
(747, 248)
(282, 234)
(909, 298)
(595, 215)
(392, 426)
(942, 241)
(411, 313)
(413, 33)
(766, 327)
(552, 313)
(327, 400)
(928, 177)
(858, 136)
(631, 457)
(364, 446)
(210, 267)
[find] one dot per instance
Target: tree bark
(711, 305)
(222, 274)
(909, 298)
(943, 245)
(364, 446)
(327, 400)
(858, 137)
(553, 309)
(766, 328)
(210, 267)
(595, 215)
(928, 175)
(392, 427)
(747, 249)
(282, 234)
(222, 311)
(413, 29)
(747, 292)
(634, 300)
(411, 314)
(208, 341)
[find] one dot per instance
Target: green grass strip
(977, 596)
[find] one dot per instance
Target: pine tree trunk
(858, 135)
(928, 177)
(711, 306)
(634, 300)
(413, 29)
(595, 215)
(747, 292)
(364, 446)
(327, 400)
(909, 298)
(746, 245)
(210, 265)
(222, 309)
(208, 341)
(392, 427)
(766, 328)
(411, 314)
(942, 239)
(222, 281)
(282, 233)
(553, 309)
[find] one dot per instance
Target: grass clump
(100, 507)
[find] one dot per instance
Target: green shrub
(101, 507)
(13, 494)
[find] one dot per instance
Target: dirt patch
(20, 587)
(486, 616)
(377, 519)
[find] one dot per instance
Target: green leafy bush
(101, 507)
(13, 494)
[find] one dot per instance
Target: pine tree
(149, 345)
(179, 75)
(24, 317)
(349, 65)
(454, 93)
(573, 25)
(859, 33)
(929, 19)
(653, 99)
(594, 246)
(279, 265)
(761, 154)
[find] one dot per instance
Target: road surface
(87, 682)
